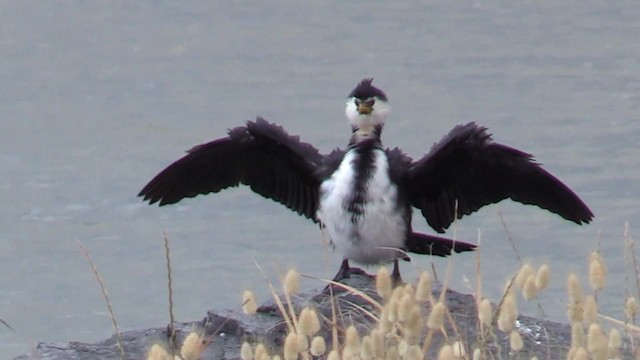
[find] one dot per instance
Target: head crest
(365, 90)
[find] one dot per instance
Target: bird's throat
(365, 132)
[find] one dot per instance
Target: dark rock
(227, 329)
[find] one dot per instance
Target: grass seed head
(504, 324)
(405, 307)
(459, 351)
(318, 346)
(414, 352)
(402, 348)
(423, 290)
(590, 310)
(192, 347)
(352, 341)
(409, 290)
(508, 314)
(385, 325)
(292, 282)
(477, 354)
(333, 355)
(366, 350)
(581, 354)
(484, 312)
(436, 317)
(397, 294)
(631, 308)
(383, 283)
(392, 309)
(411, 337)
(446, 353)
(392, 353)
(291, 346)
(574, 289)
(523, 274)
(308, 322)
(378, 343)
(615, 342)
(509, 288)
(303, 343)
(157, 352)
(529, 290)
(597, 341)
(597, 271)
(515, 341)
(249, 305)
(542, 277)
(575, 312)
(577, 335)
(260, 350)
(414, 325)
(246, 353)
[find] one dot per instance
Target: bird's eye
(357, 101)
(370, 101)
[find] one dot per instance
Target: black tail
(435, 245)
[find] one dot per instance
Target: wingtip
(144, 194)
(147, 197)
(582, 215)
(587, 219)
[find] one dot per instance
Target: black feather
(261, 155)
(462, 173)
(364, 90)
(435, 245)
(467, 167)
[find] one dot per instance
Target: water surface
(96, 98)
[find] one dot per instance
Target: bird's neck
(365, 133)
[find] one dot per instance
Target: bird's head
(367, 109)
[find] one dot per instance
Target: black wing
(330, 163)
(261, 155)
(467, 167)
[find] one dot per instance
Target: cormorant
(363, 195)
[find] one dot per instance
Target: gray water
(97, 97)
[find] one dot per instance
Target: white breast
(372, 237)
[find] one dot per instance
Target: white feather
(381, 229)
(381, 110)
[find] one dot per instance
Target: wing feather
(468, 168)
(260, 155)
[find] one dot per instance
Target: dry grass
(170, 328)
(402, 323)
(103, 289)
(408, 317)
(6, 324)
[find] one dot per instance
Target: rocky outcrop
(228, 329)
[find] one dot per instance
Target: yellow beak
(364, 108)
